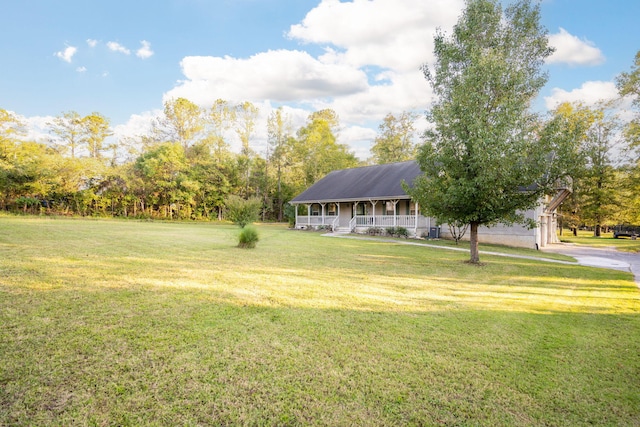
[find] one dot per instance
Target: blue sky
(123, 59)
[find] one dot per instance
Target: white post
(296, 214)
(374, 211)
(355, 212)
(338, 214)
(395, 212)
(322, 210)
(308, 215)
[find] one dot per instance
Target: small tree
(241, 211)
(458, 229)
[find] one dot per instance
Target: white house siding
(517, 235)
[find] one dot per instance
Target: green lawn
(152, 323)
(605, 240)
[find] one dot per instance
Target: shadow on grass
(183, 356)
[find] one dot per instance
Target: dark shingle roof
(370, 182)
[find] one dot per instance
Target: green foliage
(628, 84)
(397, 232)
(248, 237)
(316, 150)
(242, 211)
(375, 231)
(182, 122)
(395, 141)
(484, 148)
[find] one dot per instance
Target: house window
(315, 210)
(361, 209)
(389, 209)
(332, 209)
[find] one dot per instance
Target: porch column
(374, 211)
(355, 212)
(297, 206)
(322, 210)
(395, 212)
(415, 221)
(338, 214)
(308, 215)
(543, 230)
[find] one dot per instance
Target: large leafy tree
(599, 184)
(278, 133)
(246, 117)
(162, 171)
(182, 122)
(316, 152)
(69, 131)
(483, 162)
(629, 85)
(395, 141)
(96, 129)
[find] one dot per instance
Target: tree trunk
(473, 249)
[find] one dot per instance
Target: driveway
(600, 257)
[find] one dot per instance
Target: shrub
(375, 231)
(402, 232)
(248, 238)
(397, 232)
(241, 211)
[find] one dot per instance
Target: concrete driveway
(600, 257)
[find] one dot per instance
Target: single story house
(357, 199)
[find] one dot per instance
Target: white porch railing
(335, 223)
(385, 221)
(406, 221)
(315, 220)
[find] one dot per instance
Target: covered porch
(359, 215)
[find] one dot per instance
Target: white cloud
(145, 51)
(395, 34)
(82, 69)
(37, 128)
(92, 43)
(67, 54)
(590, 93)
(573, 50)
(373, 50)
(281, 75)
(117, 47)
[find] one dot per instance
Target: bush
(375, 231)
(397, 232)
(241, 211)
(248, 238)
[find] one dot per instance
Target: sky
(362, 58)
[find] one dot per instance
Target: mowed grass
(150, 323)
(605, 240)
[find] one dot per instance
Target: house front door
(346, 213)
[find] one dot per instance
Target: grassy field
(605, 240)
(152, 323)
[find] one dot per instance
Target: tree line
(184, 167)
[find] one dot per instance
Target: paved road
(600, 257)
